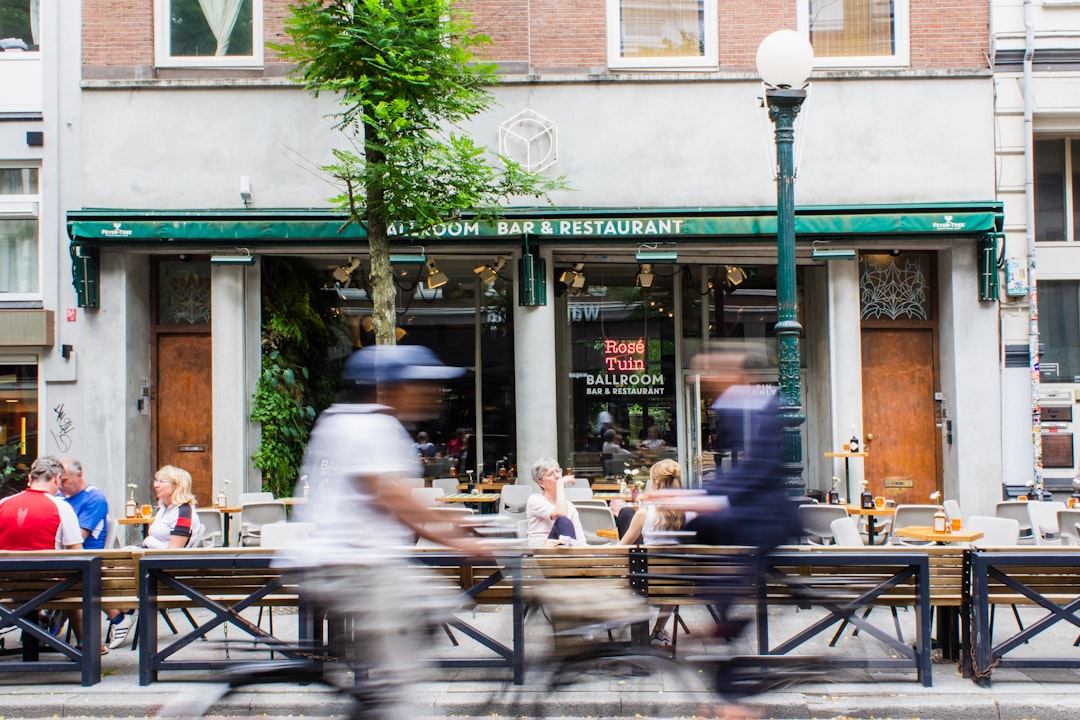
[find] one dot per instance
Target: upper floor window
(19, 243)
(208, 33)
(1057, 184)
(856, 33)
(20, 25)
(662, 34)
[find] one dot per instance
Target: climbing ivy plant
(298, 377)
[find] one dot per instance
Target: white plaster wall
(970, 384)
(620, 144)
(188, 148)
(845, 362)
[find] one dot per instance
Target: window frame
(24, 207)
(708, 61)
(901, 32)
(1071, 162)
(163, 58)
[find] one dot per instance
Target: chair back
(997, 531)
(816, 521)
(448, 484)
(285, 534)
(1044, 516)
(196, 538)
(250, 497)
(846, 532)
(111, 526)
(427, 495)
(1019, 512)
(593, 502)
(254, 515)
(574, 493)
(512, 500)
(1067, 520)
(952, 509)
(211, 521)
(593, 519)
(408, 483)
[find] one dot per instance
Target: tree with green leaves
(405, 76)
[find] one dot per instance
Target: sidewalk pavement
(1044, 694)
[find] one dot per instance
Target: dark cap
(387, 364)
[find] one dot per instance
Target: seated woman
(649, 523)
(176, 520)
(549, 514)
(612, 444)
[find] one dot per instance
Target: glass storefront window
(621, 364)
(467, 323)
(18, 424)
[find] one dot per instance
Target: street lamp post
(784, 60)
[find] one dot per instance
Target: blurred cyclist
(356, 559)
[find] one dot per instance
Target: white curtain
(35, 19)
(221, 16)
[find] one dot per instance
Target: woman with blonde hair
(651, 521)
(649, 524)
(176, 520)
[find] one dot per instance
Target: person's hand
(566, 480)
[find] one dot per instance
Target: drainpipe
(1033, 293)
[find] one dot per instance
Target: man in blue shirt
(88, 502)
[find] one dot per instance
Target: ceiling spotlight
(343, 273)
(645, 276)
(435, 277)
(575, 278)
(488, 273)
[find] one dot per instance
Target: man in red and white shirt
(36, 519)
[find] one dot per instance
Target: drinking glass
(146, 510)
(879, 502)
(956, 524)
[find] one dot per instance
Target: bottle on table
(941, 524)
(130, 508)
(853, 443)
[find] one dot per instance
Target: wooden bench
(31, 582)
(845, 582)
(1035, 576)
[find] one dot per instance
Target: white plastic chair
(250, 497)
(574, 493)
(427, 496)
(1044, 520)
(846, 532)
(448, 484)
(512, 499)
(997, 531)
(111, 526)
(907, 515)
(285, 534)
(1019, 512)
(408, 483)
(211, 520)
(196, 537)
(816, 522)
(1067, 520)
(593, 519)
(254, 515)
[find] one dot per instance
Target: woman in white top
(549, 514)
(650, 523)
(176, 519)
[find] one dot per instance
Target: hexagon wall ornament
(530, 139)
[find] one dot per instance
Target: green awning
(190, 229)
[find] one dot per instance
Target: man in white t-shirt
(355, 561)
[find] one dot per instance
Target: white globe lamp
(785, 59)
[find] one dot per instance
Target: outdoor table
(485, 486)
(486, 501)
(605, 487)
(926, 532)
(609, 496)
(146, 522)
(871, 518)
(610, 533)
(847, 467)
(226, 519)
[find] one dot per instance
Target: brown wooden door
(899, 412)
(184, 408)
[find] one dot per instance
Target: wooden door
(184, 412)
(898, 381)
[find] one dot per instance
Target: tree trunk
(383, 290)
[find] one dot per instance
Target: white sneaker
(119, 631)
